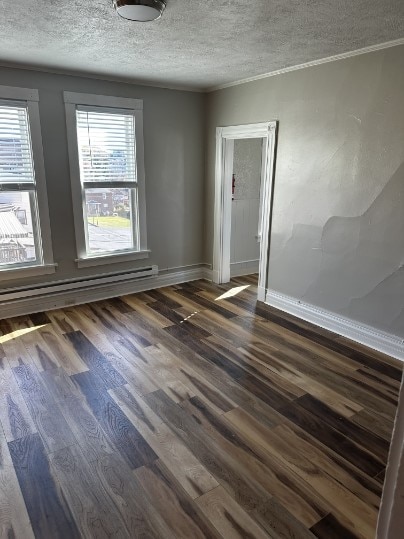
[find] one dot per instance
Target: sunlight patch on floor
(18, 333)
(189, 316)
(232, 292)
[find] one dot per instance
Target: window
(24, 221)
(105, 137)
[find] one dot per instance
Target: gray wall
(174, 162)
(245, 205)
(337, 231)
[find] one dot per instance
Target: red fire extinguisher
(233, 186)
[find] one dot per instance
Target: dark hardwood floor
(177, 414)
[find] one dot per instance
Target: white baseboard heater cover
(82, 284)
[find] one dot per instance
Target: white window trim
(46, 266)
(71, 100)
(107, 259)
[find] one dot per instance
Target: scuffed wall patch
(384, 304)
(353, 265)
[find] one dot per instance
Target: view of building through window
(17, 242)
(109, 220)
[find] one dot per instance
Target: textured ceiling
(196, 44)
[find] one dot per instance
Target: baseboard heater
(11, 295)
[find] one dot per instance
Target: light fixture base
(140, 10)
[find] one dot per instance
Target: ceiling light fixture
(140, 10)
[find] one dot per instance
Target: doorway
(245, 208)
(225, 147)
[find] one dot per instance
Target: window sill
(26, 271)
(110, 259)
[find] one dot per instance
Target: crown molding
(342, 56)
(186, 88)
(95, 76)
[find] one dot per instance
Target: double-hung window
(105, 136)
(25, 245)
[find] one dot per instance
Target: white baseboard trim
(207, 274)
(215, 276)
(61, 299)
(238, 269)
(260, 293)
(361, 333)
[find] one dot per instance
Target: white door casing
(225, 137)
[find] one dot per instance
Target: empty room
(201, 269)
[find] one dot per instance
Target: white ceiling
(196, 44)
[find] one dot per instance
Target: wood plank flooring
(180, 414)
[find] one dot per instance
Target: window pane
(109, 220)
(16, 163)
(17, 239)
(106, 143)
